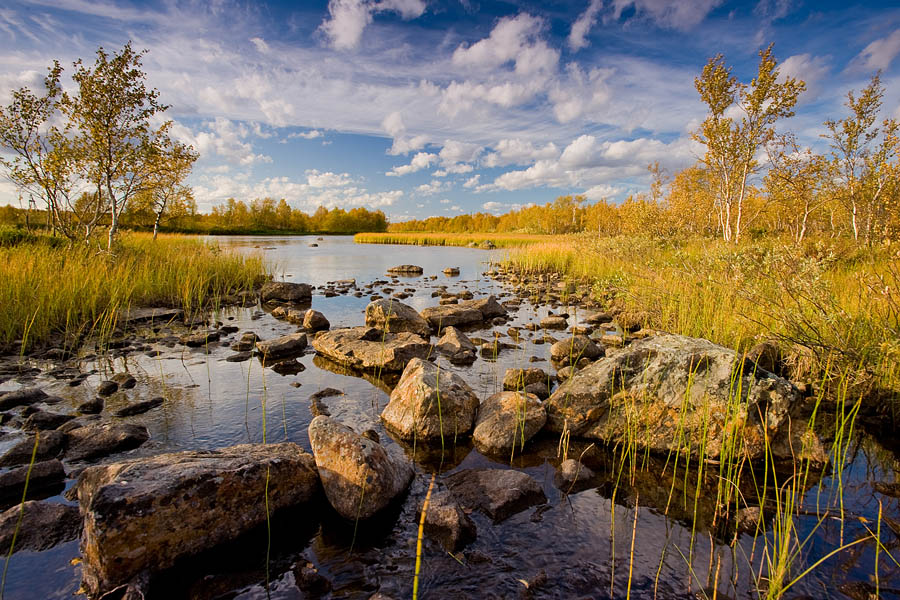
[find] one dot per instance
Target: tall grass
(498, 240)
(50, 290)
(826, 304)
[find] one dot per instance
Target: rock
(286, 345)
(676, 390)
(289, 366)
(181, 504)
(91, 407)
(768, 355)
(313, 320)
(554, 322)
(451, 271)
(50, 445)
(239, 357)
(572, 476)
(77, 422)
(499, 493)
(151, 315)
(45, 420)
(94, 441)
(571, 350)
(44, 474)
(202, 338)
(283, 291)
(139, 408)
(406, 270)
(24, 396)
(126, 381)
(309, 581)
(598, 318)
(464, 313)
(44, 525)
(507, 420)
(632, 321)
(246, 343)
(368, 348)
(446, 522)
(358, 475)
(429, 404)
(454, 344)
(325, 393)
(747, 519)
(517, 379)
(395, 317)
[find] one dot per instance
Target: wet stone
(447, 523)
(139, 408)
(45, 420)
(126, 381)
(43, 475)
(239, 357)
(91, 407)
(95, 441)
(21, 397)
(43, 525)
(499, 493)
(50, 445)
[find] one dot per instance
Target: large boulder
(145, 514)
(395, 317)
(286, 345)
(429, 404)
(675, 393)
(456, 346)
(368, 348)
(313, 320)
(499, 493)
(43, 525)
(573, 349)
(507, 420)
(283, 291)
(517, 379)
(95, 441)
(358, 475)
(464, 313)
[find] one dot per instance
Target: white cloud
(472, 181)
(306, 135)
(880, 53)
(513, 39)
(455, 151)
(518, 152)
(582, 26)
(809, 68)
(349, 18)
(668, 14)
(601, 191)
(403, 144)
(221, 137)
(420, 161)
(436, 186)
(500, 207)
(261, 45)
(317, 179)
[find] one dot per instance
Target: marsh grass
(50, 290)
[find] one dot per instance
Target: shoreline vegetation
(56, 292)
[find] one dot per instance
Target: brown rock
(396, 317)
(44, 525)
(368, 348)
(507, 420)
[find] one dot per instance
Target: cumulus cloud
(455, 152)
(436, 186)
(221, 137)
(514, 39)
(500, 207)
(472, 181)
(518, 152)
(402, 144)
(601, 191)
(317, 179)
(347, 19)
(420, 161)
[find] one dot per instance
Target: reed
(50, 290)
(481, 240)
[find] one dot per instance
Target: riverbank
(830, 311)
(480, 240)
(52, 291)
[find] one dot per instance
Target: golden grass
(50, 290)
(499, 240)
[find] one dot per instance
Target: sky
(440, 107)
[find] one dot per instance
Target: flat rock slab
(359, 476)
(283, 291)
(148, 315)
(144, 514)
(368, 348)
(44, 525)
(464, 313)
(499, 493)
(43, 475)
(394, 316)
(139, 408)
(43, 419)
(50, 445)
(202, 338)
(95, 441)
(286, 345)
(21, 397)
(406, 270)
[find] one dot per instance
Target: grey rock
(499, 493)
(447, 523)
(20, 397)
(42, 475)
(202, 338)
(50, 445)
(286, 345)
(44, 525)
(554, 322)
(573, 349)
(283, 291)
(313, 320)
(95, 441)
(139, 408)
(517, 379)
(45, 420)
(572, 476)
(91, 407)
(456, 346)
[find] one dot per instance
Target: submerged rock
(369, 348)
(394, 316)
(499, 493)
(358, 475)
(507, 420)
(139, 408)
(144, 514)
(456, 346)
(447, 523)
(93, 441)
(285, 345)
(24, 396)
(44, 525)
(572, 476)
(430, 403)
(283, 291)
(671, 391)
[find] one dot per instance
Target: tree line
(752, 177)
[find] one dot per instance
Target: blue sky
(436, 107)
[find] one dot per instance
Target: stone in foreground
(506, 421)
(456, 346)
(358, 475)
(499, 493)
(394, 316)
(517, 379)
(313, 320)
(673, 391)
(429, 403)
(572, 476)
(44, 525)
(446, 522)
(143, 515)
(286, 345)
(368, 348)
(283, 291)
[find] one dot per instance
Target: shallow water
(582, 542)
